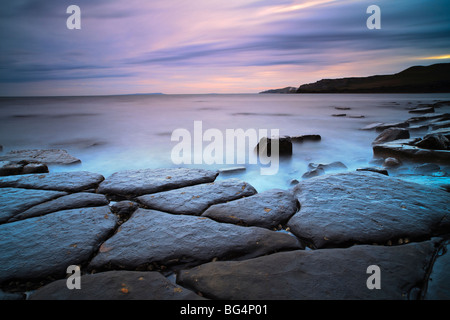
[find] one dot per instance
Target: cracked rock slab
(71, 201)
(151, 236)
(39, 247)
(267, 209)
(13, 201)
(60, 181)
(133, 183)
(337, 274)
(366, 207)
(47, 156)
(117, 285)
(196, 199)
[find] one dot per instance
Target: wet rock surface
(50, 156)
(134, 183)
(267, 209)
(196, 199)
(366, 207)
(320, 274)
(117, 285)
(154, 237)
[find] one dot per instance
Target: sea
(127, 132)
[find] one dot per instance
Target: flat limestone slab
(117, 285)
(38, 247)
(61, 181)
(133, 183)
(71, 201)
(366, 207)
(151, 236)
(267, 209)
(47, 156)
(338, 274)
(196, 199)
(13, 201)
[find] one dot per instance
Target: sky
(210, 46)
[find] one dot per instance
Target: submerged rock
(151, 236)
(306, 137)
(365, 207)
(374, 169)
(337, 274)
(284, 146)
(117, 285)
(35, 248)
(194, 200)
(267, 209)
(133, 183)
(392, 162)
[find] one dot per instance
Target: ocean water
(114, 133)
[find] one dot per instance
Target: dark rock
(45, 246)
(356, 116)
(440, 125)
(35, 168)
(434, 142)
(343, 108)
(124, 209)
(438, 287)
(429, 109)
(403, 150)
(60, 181)
(336, 274)
(165, 239)
(267, 209)
(392, 125)
(339, 115)
(8, 168)
(51, 156)
(426, 168)
(336, 165)
(391, 134)
(1, 148)
(4, 296)
(117, 285)
(446, 187)
(311, 173)
(15, 201)
(71, 201)
(231, 170)
(284, 146)
(194, 200)
(306, 137)
(133, 183)
(429, 116)
(366, 207)
(392, 162)
(374, 169)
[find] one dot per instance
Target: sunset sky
(210, 46)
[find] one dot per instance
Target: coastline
(187, 224)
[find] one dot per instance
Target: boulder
(8, 168)
(311, 173)
(71, 201)
(60, 181)
(35, 248)
(117, 285)
(391, 134)
(434, 142)
(49, 157)
(133, 183)
(284, 146)
(267, 209)
(392, 162)
(365, 207)
(154, 237)
(385, 126)
(194, 200)
(325, 274)
(16, 200)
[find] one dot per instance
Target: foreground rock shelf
(132, 232)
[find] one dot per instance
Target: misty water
(114, 133)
